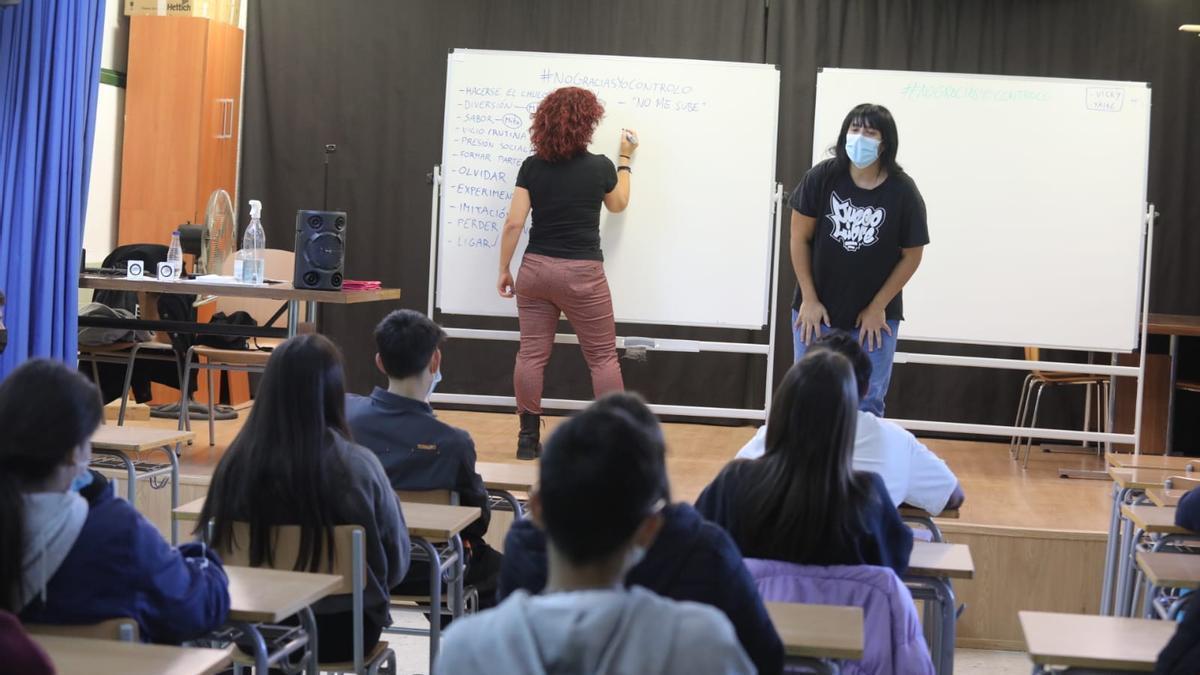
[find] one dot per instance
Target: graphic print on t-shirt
(854, 227)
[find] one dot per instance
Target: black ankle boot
(529, 441)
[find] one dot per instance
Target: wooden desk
(1170, 570)
(949, 561)
(818, 631)
(501, 479)
(438, 522)
(1174, 324)
(1158, 401)
(82, 656)
(137, 439)
(279, 291)
(1139, 478)
(931, 567)
(262, 595)
(1153, 519)
(122, 442)
(1164, 497)
(505, 476)
(1128, 460)
(190, 511)
(1085, 641)
(907, 511)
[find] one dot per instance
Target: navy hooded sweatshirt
(120, 566)
(692, 559)
(1181, 656)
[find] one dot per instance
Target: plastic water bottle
(250, 265)
(175, 254)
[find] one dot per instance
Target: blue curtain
(49, 75)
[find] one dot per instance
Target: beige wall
(104, 190)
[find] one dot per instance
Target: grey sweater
(367, 500)
(370, 501)
(616, 632)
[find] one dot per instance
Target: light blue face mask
(81, 481)
(437, 377)
(862, 150)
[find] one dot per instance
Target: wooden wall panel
(1018, 569)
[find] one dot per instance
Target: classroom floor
(999, 492)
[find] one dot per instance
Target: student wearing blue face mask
(857, 234)
(71, 552)
(418, 451)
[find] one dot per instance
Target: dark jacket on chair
(692, 559)
(120, 566)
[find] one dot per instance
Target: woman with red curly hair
(562, 271)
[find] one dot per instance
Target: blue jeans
(881, 363)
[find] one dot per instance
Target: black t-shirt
(566, 198)
(858, 237)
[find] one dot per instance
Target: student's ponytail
(47, 410)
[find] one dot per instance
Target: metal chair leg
(95, 373)
(1087, 410)
(1034, 383)
(133, 352)
(211, 414)
(1025, 387)
(1037, 402)
(185, 401)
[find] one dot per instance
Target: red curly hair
(564, 122)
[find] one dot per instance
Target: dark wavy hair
(564, 123)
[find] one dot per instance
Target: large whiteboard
(695, 245)
(1036, 192)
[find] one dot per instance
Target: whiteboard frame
(767, 349)
(768, 307)
(1145, 162)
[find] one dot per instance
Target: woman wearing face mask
(858, 232)
(70, 551)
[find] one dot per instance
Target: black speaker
(320, 249)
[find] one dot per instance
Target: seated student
(912, 473)
(67, 558)
(293, 464)
(1181, 656)
(802, 502)
(599, 499)
(691, 559)
(418, 451)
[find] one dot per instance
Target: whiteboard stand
(766, 349)
(1113, 371)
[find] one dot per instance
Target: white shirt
(912, 473)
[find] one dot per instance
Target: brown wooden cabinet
(182, 107)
